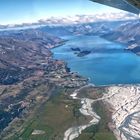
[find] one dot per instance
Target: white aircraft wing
(132, 6)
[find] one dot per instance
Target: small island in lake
(80, 53)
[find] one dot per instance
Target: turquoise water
(108, 63)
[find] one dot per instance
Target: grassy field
(92, 92)
(53, 118)
(60, 112)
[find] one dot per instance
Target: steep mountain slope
(33, 35)
(95, 28)
(29, 75)
(129, 34)
(22, 52)
(25, 59)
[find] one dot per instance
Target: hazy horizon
(28, 11)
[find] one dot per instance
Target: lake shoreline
(73, 133)
(104, 67)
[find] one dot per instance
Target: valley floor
(91, 112)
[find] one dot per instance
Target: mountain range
(127, 33)
(26, 63)
(22, 52)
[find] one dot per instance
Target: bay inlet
(108, 63)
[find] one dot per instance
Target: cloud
(90, 18)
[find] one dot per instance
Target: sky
(24, 11)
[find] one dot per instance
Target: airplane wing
(132, 6)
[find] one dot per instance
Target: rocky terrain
(37, 36)
(125, 102)
(28, 74)
(79, 52)
(22, 54)
(94, 28)
(122, 103)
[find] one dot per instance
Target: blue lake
(108, 63)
